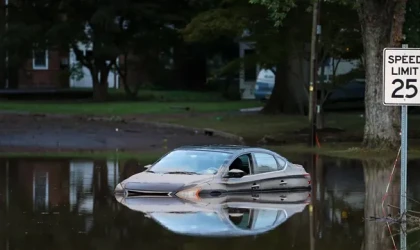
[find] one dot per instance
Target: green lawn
(124, 108)
(166, 95)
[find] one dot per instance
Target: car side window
(242, 163)
(244, 159)
(282, 163)
(264, 163)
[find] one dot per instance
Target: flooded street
(69, 204)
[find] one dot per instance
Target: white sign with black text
(401, 77)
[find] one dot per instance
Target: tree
(109, 27)
(381, 25)
(341, 38)
(277, 48)
(22, 32)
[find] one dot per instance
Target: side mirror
(235, 173)
(148, 166)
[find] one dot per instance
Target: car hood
(145, 181)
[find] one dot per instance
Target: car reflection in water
(227, 216)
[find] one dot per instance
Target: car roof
(225, 148)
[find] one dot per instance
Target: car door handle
(283, 182)
(256, 186)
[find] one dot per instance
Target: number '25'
(408, 85)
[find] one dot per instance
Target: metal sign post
(403, 184)
(401, 71)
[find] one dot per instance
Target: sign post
(401, 72)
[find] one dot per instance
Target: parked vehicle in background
(350, 96)
(264, 85)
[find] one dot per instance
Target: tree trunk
(377, 175)
(123, 71)
(277, 103)
(284, 98)
(100, 85)
(379, 22)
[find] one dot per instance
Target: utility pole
(313, 75)
(6, 58)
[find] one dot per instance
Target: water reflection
(377, 175)
(227, 216)
(67, 204)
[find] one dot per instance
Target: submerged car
(227, 216)
(211, 171)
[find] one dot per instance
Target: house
(51, 69)
(46, 69)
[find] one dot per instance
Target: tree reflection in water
(377, 174)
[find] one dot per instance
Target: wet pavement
(69, 204)
(23, 133)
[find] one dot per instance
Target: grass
(170, 95)
(124, 108)
(164, 95)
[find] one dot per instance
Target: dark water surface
(69, 204)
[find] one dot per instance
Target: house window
(40, 59)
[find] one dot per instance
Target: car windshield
(191, 162)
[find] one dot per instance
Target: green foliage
(278, 9)
(213, 24)
(341, 36)
(231, 18)
(76, 71)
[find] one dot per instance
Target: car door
(246, 183)
(268, 172)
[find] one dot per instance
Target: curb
(206, 131)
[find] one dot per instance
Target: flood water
(69, 204)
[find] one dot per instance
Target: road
(32, 133)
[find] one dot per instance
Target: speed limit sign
(401, 86)
(401, 72)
